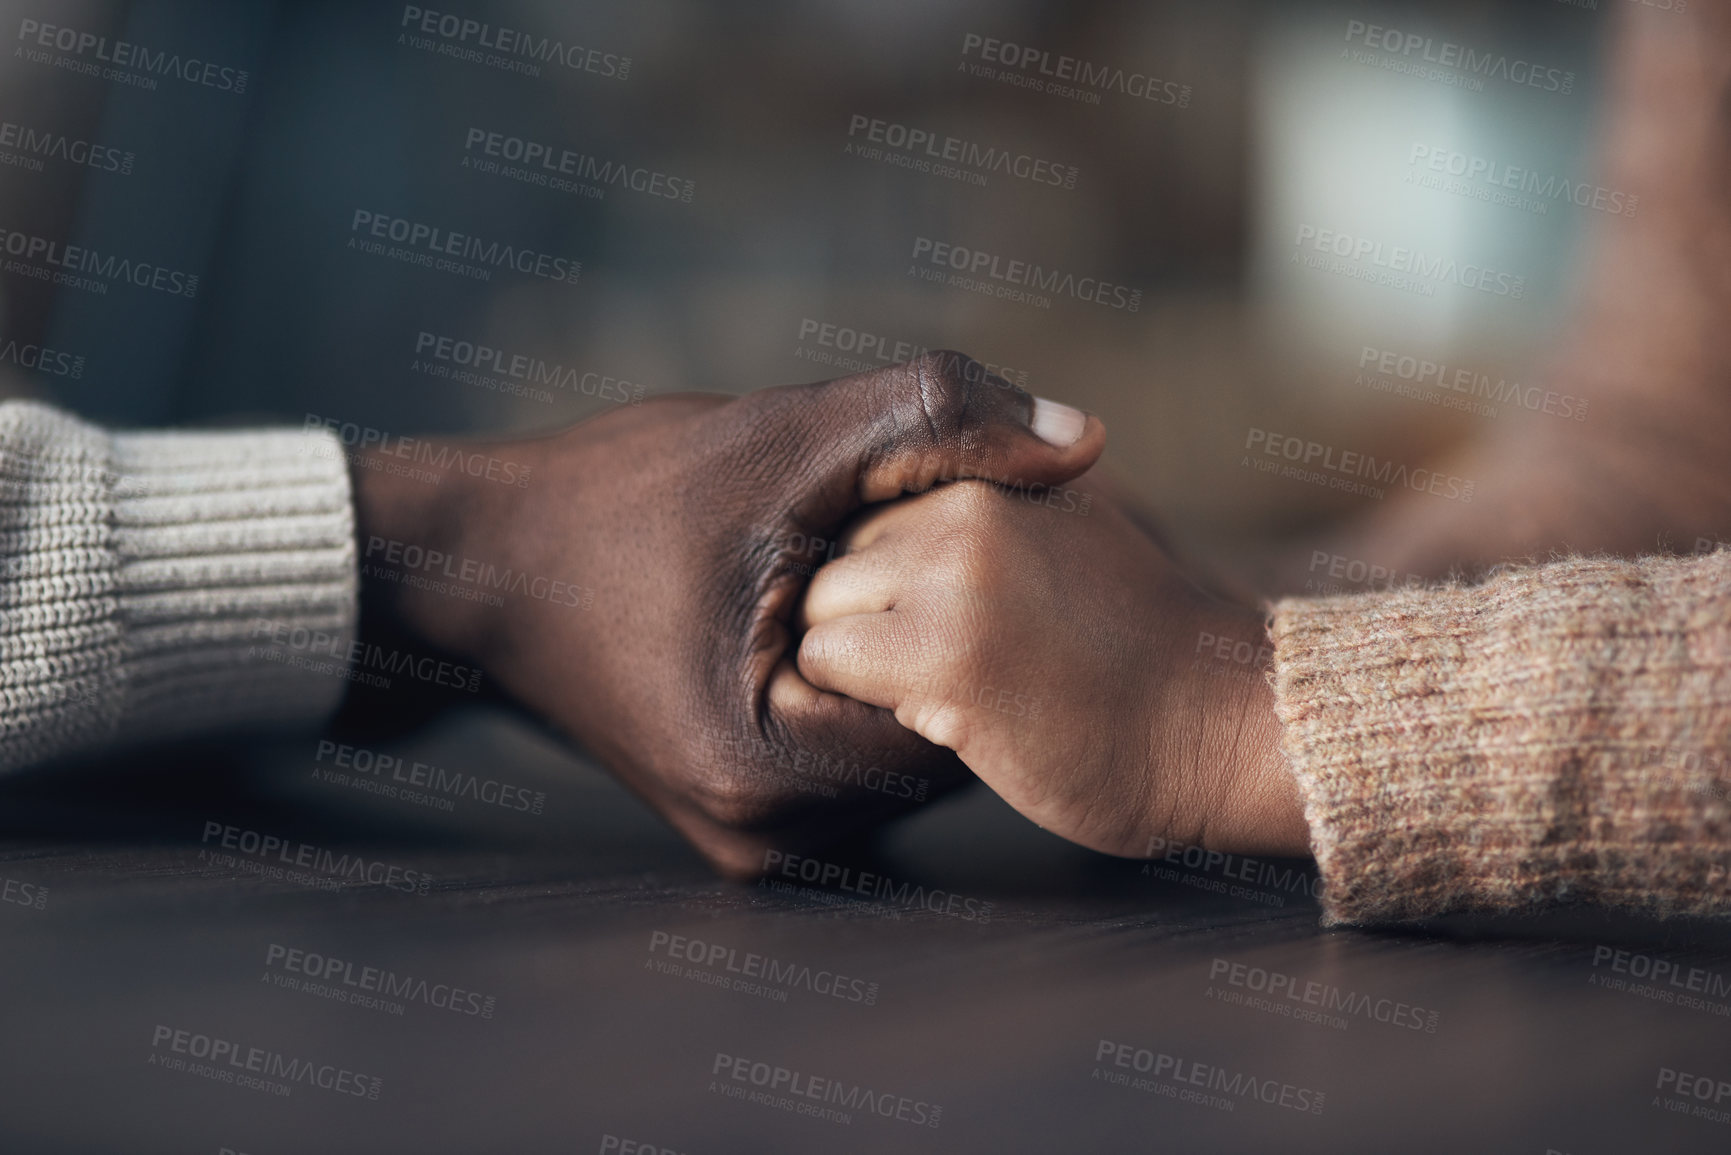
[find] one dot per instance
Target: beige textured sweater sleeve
(153, 584)
(1559, 733)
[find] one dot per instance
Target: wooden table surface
(575, 980)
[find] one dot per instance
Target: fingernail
(1056, 423)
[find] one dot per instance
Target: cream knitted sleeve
(158, 584)
(1559, 733)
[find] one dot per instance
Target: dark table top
(575, 980)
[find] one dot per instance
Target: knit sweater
(1561, 732)
(163, 584)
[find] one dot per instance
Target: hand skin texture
(1067, 661)
(691, 519)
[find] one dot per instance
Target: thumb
(940, 417)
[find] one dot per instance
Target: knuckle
(942, 387)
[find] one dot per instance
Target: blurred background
(1321, 212)
(1204, 155)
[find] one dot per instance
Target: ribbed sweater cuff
(1560, 732)
(232, 547)
(167, 584)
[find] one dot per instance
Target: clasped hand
(697, 522)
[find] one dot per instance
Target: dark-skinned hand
(691, 526)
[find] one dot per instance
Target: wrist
(411, 525)
(1265, 811)
(1250, 795)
